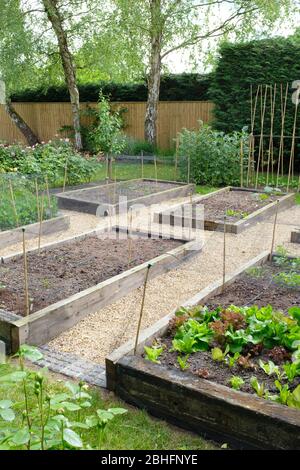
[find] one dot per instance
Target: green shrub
(135, 147)
(47, 160)
(24, 196)
(214, 156)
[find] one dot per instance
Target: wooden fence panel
(47, 118)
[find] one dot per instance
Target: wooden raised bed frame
(44, 325)
(216, 411)
(50, 226)
(76, 204)
(167, 216)
(295, 238)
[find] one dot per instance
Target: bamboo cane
(48, 192)
(292, 154)
(115, 186)
(189, 170)
(274, 230)
(273, 120)
(142, 162)
(251, 138)
(281, 146)
(271, 142)
(261, 142)
(65, 175)
(176, 158)
(242, 163)
(27, 306)
(129, 237)
(41, 223)
(37, 199)
(142, 310)
(224, 254)
(155, 169)
(13, 202)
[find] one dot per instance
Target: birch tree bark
(28, 133)
(54, 16)
(154, 76)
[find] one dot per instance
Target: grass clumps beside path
(40, 412)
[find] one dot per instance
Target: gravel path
(100, 333)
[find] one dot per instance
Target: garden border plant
(44, 325)
(222, 413)
(174, 214)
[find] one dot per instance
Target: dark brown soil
(258, 287)
(254, 288)
(60, 272)
(202, 365)
(129, 189)
(243, 203)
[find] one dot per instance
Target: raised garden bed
(50, 226)
(71, 279)
(200, 398)
(295, 238)
(140, 191)
(243, 208)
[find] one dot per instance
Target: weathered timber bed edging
(295, 237)
(50, 226)
(216, 411)
(168, 217)
(75, 203)
(45, 324)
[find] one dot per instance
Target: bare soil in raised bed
(247, 290)
(242, 202)
(111, 193)
(258, 288)
(67, 269)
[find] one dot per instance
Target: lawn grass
(135, 430)
(128, 171)
(165, 171)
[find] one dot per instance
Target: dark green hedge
(257, 62)
(185, 87)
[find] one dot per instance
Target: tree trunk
(56, 20)
(28, 133)
(154, 75)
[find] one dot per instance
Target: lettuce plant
(236, 382)
(152, 354)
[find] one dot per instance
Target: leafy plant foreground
(38, 413)
(261, 341)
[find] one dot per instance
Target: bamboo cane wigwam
(272, 146)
